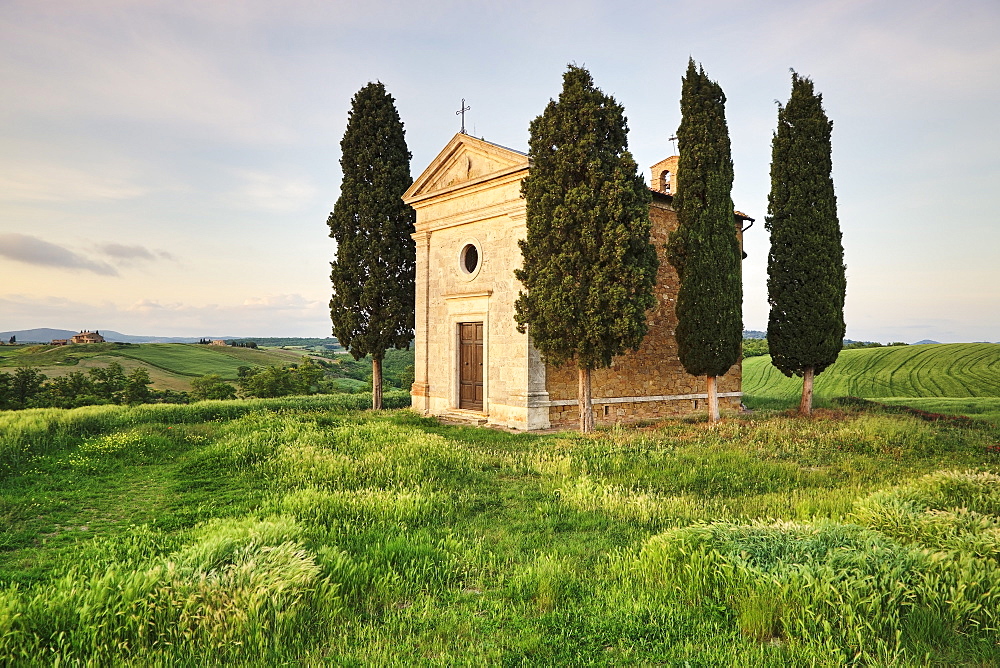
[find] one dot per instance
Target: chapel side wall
(653, 370)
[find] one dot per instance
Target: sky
(167, 168)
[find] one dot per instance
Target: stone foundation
(619, 411)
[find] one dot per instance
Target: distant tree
(589, 269)
(25, 386)
(308, 375)
(137, 386)
(754, 348)
(13, 339)
(372, 308)
(73, 389)
(6, 392)
(704, 249)
(109, 382)
(170, 397)
(806, 280)
(273, 381)
(267, 382)
(211, 386)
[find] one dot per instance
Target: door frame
(467, 307)
(480, 377)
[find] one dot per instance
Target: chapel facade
(471, 363)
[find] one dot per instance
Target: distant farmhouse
(83, 337)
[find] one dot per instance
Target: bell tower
(663, 176)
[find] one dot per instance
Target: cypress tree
(806, 281)
(373, 274)
(589, 268)
(704, 249)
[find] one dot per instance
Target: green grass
(941, 370)
(981, 408)
(302, 531)
(198, 360)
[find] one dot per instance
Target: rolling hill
(170, 365)
(927, 371)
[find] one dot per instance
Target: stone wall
(653, 373)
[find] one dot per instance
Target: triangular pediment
(465, 160)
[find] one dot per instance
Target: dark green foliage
(806, 280)
(109, 381)
(373, 275)
(589, 268)
(137, 387)
(273, 381)
(211, 386)
(21, 389)
(72, 390)
(754, 347)
(704, 248)
(329, 343)
(28, 388)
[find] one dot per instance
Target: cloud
(280, 302)
(32, 250)
(271, 192)
(130, 62)
(131, 254)
(39, 181)
(272, 315)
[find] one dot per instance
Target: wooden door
(470, 366)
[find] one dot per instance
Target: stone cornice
(467, 295)
(512, 208)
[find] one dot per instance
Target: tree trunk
(806, 405)
(713, 398)
(586, 403)
(376, 383)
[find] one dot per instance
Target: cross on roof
(461, 112)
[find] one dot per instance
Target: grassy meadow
(305, 531)
(909, 374)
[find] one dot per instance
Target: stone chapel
(471, 362)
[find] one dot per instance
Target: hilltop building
(84, 336)
(87, 337)
(471, 362)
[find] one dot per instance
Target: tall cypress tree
(589, 268)
(704, 249)
(373, 274)
(806, 281)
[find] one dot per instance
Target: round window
(470, 258)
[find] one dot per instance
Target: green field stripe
(924, 383)
(161, 367)
(935, 370)
(981, 365)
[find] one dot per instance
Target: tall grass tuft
(849, 588)
(242, 588)
(946, 510)
(30, 433)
